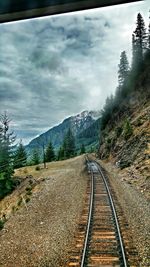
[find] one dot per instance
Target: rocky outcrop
(131, 151)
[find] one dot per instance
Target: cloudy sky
(54, 67)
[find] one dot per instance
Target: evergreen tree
(82, 151)
(6, 169)
(106, 113)
(139, 39)
(35, 157)
(134, 53)
(20, 156)
(123, 69)
(69, 145)
(148, 36)
(60, 155)
(49, 155)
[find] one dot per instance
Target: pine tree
(148, 36)
(69, 145)
(82, 151)
(60, 155)
(134, 52)
(35, 157)
(123, 70)
(139, 38)
(20, 156)
(49, 155)
(6, 169)
(106, 113)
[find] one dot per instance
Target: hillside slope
(125, 140)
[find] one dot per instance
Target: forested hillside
(125, 125)
(85, 128)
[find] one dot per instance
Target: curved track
(99, 241)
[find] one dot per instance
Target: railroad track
(100, 242)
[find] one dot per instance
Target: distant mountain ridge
(78, 124)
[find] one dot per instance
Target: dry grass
(52, 167)
(40, 235)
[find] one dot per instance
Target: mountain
(78, 124)
(89, 136)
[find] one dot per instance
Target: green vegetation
(68, 148)
(60, 155)
(2, 222)
(27, 200)
(37, 168)
(35, 160)
(128, 77)
(133, 87)
(19, 201)
(118, 131)
(29, 190)
(127, 129)
(82, 151)
(49, 154)
(123, 71)
(7, 138)
(20, 156)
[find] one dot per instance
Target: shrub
(108, 140)
(31, 182)
(28, 188)
(27, 199)
(2, 222)
(124, 164)
(118, 131)
(127, 130)
(19, 201)
(29, 193)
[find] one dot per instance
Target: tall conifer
(7, 139)
(69, 144)
(49, 155)
(20, 156)
(123, 70)
(140, 38)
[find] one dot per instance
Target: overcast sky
(54, 67)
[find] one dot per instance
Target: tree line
(128, 75)
(66, 150)
(12, 157)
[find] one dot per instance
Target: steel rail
(115, 216)
(89, 219)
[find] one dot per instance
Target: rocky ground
(127, 161)
(131, 155)
(43, 215)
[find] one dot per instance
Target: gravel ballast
(136, 208)
(40, 233)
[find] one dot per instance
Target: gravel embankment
(41, 234)
(136, 208)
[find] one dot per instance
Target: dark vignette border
(11, 10)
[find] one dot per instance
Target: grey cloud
(53, 67)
